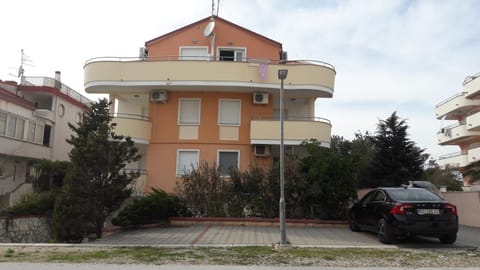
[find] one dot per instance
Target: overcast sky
(394, 55)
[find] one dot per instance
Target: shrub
(157, 206)
(35, 204)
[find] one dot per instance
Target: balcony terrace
(455, 107)
(297, 130)
(137, 127)
(305, 78)
(471, 85)
(453, 160)
(456, 133)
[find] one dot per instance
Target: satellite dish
(209, 29)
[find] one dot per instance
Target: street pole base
(282, 247)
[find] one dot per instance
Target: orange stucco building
(210, 92)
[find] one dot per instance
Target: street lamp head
(282, 74)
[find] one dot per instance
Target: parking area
(234, 235)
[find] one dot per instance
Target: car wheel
(354, 227)
(384, 233)
(448, 238)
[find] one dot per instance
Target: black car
(404, 211)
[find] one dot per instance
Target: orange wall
(164, 142)
(226, 35)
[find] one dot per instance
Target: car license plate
(428, 211)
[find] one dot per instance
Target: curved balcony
(455, 134)
(267, 131)
(473, 122)
(454, 160)
(455, 107)
(471, 85)
(137, 127)
(305, 78)
(45, 114)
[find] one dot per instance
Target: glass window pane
(229, 113)
(19, 128)
(227, 160)
(12, 122)
(186, 160)
(3, 123)
(39, 133)
(31, 131)
(189, 112)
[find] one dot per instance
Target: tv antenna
(24, 60)
(213, 7)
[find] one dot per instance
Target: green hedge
(156, 207)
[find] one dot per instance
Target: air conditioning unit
(159, 96)
(261, 150)
(260, 98)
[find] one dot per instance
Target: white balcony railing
(51, 82)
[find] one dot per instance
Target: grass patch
(251, 255)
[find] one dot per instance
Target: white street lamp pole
(282, 75)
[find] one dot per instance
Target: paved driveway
(217, 235)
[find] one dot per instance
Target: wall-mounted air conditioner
(261, 150)
(159, 96)
(260, 98)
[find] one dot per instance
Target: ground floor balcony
(135, 126)
(267, 131)
(454, 134)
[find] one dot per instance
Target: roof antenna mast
(213, 7)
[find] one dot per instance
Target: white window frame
(190, 58)
(180, 111)
(180, 171)
(228, 151)
(235, 50)
(239, 112)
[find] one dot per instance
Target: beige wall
(468, 206)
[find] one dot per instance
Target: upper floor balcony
(455, 107)
(456, 133)
(53, 83)
(296, 130)
(471, 85)
(454, 160)
(45, 114)
(473, 122)
(305, 78)
(137, 127)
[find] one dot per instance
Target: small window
(11, 125)
(228, 160)
(78, 118)
(229, 112)
(231, 54)
(61, 110)
(186, 161)
(194, 53)
(19, 129)
(39, 133)
(31, 131)
(189, 111)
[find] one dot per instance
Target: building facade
(464, 109)
(34, 117)
(209, 92)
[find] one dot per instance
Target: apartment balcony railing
(455, 133)
(51, 82)
(474, 153)
(45, 114)
(471, 85)
(455, 106)
(138, 127)
(473, 122)
(296, 130)
(454, 160)
(307, 78)
(20, 148)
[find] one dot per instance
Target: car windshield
(417, 195)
